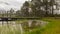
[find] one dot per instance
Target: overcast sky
(8, 4)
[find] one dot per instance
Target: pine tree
(24, 9)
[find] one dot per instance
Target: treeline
(38, 8)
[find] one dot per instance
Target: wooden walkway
(13, 19)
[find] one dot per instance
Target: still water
(11, 27)
(7, 22)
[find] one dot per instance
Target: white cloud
(8, 4)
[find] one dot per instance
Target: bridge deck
(13, 19)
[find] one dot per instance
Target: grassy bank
(53, 27)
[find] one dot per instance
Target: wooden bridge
(13, 19)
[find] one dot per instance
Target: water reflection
(23, 26)
(7, 22)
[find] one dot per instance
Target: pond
(12, 27)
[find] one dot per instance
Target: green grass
(53, 27)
